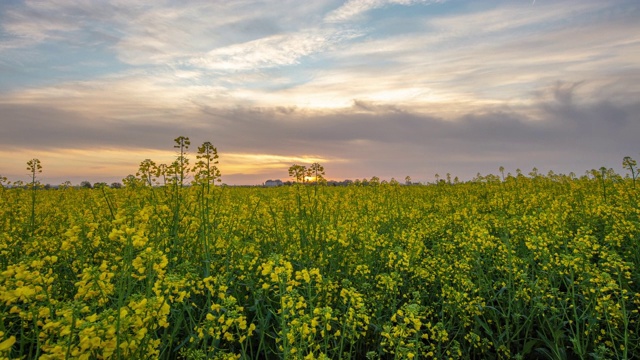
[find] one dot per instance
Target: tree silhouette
(297, 172)
(316, 170)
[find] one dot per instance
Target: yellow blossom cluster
(495, 268)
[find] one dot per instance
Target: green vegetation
(526, 267)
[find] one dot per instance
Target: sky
(386, 88)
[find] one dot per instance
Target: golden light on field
(97, 165)
(84, 164)
(271, 272)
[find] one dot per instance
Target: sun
(309, 178)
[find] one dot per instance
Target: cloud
(354, 8)
(468, 58)
(237, 52)
(560, 132)
(188, 35)
(77, 23)
(276, 50)
(521, 16)
(471, 86)
(150, 33)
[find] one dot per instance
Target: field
(527, 267)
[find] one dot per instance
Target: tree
(316, 170)
(86, 184)
(297, 172)
(630, 164)
(116, 185)
(407, 180)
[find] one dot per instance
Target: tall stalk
(179, 170)
(35, 167)
(206, 174)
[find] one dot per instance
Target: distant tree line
(314, 173)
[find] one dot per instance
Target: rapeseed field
(525, 267)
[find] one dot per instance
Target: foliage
(316, 171)
(297, 172)
(206, 168)
(521, 267)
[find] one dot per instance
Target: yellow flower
(7, 344)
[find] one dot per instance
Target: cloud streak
(355, 8)
(277, 50)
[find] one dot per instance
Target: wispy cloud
(354, 8)
(277, 50)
